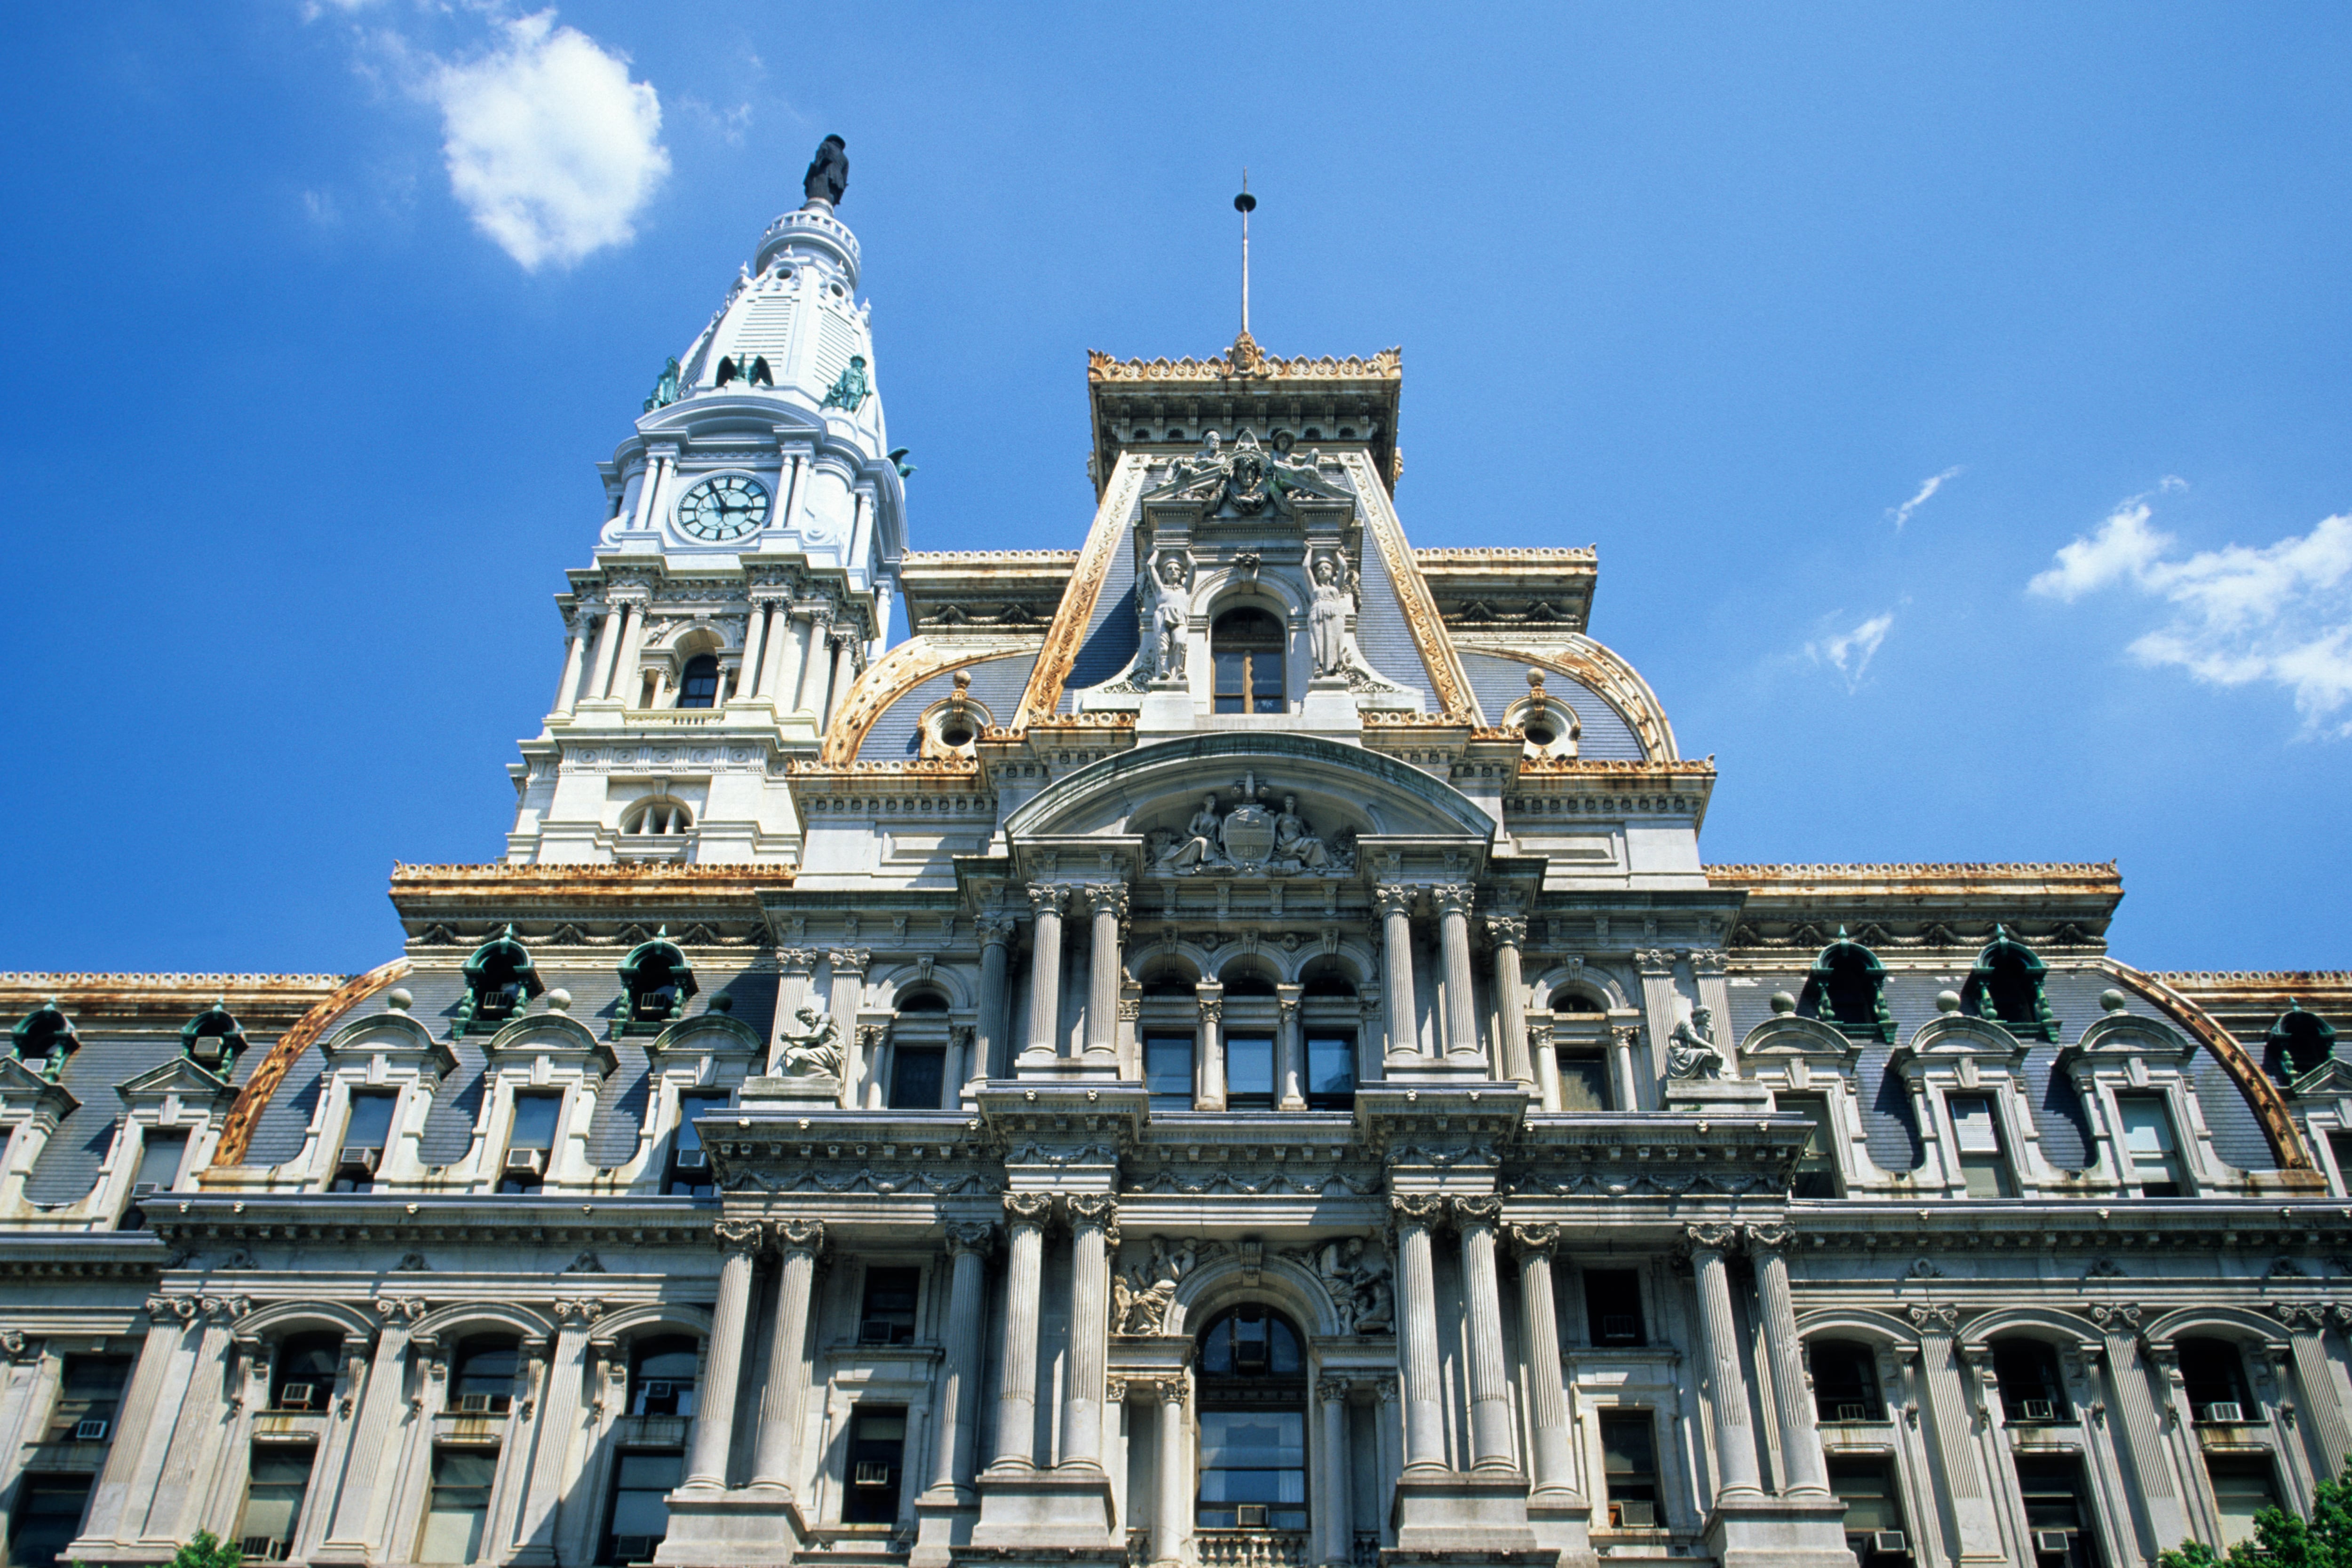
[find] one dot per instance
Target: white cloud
(1928, 487)
(1849, 652)
(2280, 613)
(551, 147)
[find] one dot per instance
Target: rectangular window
(877, 1449)
(1249, 683)
(46, 1518)
(459, 1503)
(1249, 1072)
(1252, 1470)
(1583, 1082)
(1845, 1381)
(2148, 1144)
(2060, 1533)
(887, 1316)
(1330, 1073)
(531, 1142)
(1816, 1175)
(641, 1487)
(273, 1501)
(1984, 1165)
(1873, 1516)
(160, 1152)
(1629, 1466)
(2242, 1487)
(1612, 1306)
(365, 1133)
(919, 1075)
(90, 1389)
(689, 1161)
(1168, 1070)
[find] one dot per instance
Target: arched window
(2032, 1392)
(303, 1377)
(1845, 1381)
(481, 1377)
(1246, 647)
(660, 815)
(699, 686)
(661, 1375)
(501, 980)
(2005, 987)
(1844, 990)
(1253, 1461)
(2298, 1041)
(2213, 1375)
(657, 980)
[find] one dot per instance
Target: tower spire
(1245, 204)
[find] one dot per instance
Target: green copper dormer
(656, 981)
(213, 1039)
(499, 983)
(44, 1038)
(2299, 1041)
(1847, 990)
(2005, 988)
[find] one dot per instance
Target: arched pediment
(1788, 1035)
(1950, 1036)
(1883, 1330)
(1280, 1282)
(2061, 1329)
(280, 1319)
(627, 1322)
(719, 1032)
(2217, 1322)
(462, 1320)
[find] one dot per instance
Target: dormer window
(699, 686)
(2005, 987)
(657, 981)
(44, 1038)
(1245, 645)
(213, 1039)
(501, 980)
(2298, 1042)
(1847, 989)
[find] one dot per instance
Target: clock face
(727, 506)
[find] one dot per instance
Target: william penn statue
(828, 172)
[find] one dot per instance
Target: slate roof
(1499, 683)
(997, 683)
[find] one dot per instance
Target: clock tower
(755, 519)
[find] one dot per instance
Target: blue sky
(1958, 394)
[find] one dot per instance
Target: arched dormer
(501, 980)
(656, 982)
(213, 1039)
(44, 1038)
(2005, 987)
(1846, 989)
(2299, 1041)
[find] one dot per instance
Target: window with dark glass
(1168, 1070)
(2031, 1391)
(1583, 1082)
(1846, 989)
(46, 1518)
(161, 1150)
(1845, 1381)
(1629, 1468)
(302, 1376)
(1816, 1173)
(1612, 1306)
(887, 1316)
(366, 1131)
(1873, 1512)
(689, 1161)
(531, 1142)
(1330, 1071)
(482, 1376)
(2058, 1529)
(457, 1506)
(1984, 1161)
(918, 1076)
(90, 1391)
(2213, 1375)
(273, 1501)
(2340, 1145)
(661, 1375)
(2006, 986)
(2153, 1152)
(2243, 1485)
(1252, 1423)
(639, 1517)
(878, 1452)
(1249, 1072)
(1246, 648)
(699, 686)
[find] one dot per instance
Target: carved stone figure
(1690, 1049)
(1359, 1285)
(850, 389)
(1293, 844)
(1327, 623)
(828, 172)
(1200, 844)
(813, 1050)
(1170, 609)
(1140, 1296)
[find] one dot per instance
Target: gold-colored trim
(1077, 610)
(1611, 679)
(236, 1129)
(894, 673)
(2269, 1101)
(1420, 606)
(1244, 362)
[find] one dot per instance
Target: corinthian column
(1289, 1068)
(995, 940)
(1424, 1416)
(1102, 970)
(1508, 933)
(1093, 1223)
(1211, 996)
(1338, 1519)
(1726, 1387)
(1453, 902)
(1173, 1505)
(1395, 903)
(714, 1418)
(384, 1393)
(1017, 1399)
(1045, 900)
(771, 1457)
(2143, 1428)
(2315, 1383)
(1490, 1387)
(968, 1245)
(1800, 1441)
(849, 964)
(1554, 1464)
(559, 1412)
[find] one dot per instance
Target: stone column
(1490, 1380)
(849, 964)
(1726, 1384)
(951, 1458)
(1424, 1416)
(1016, 1400)
(559, 1414)
(1555, 1459)
(1453, 901)
(1094, 1228)
(777, 674)
(1962, 1481)
(801, 1240)
(714, 1422)
(2315, 1385)
(1210, 1066)
(1547, 1062)
(128, 1475)
(608, 643)
(1508, 933)
(575, 650)
(1338, 1519)
(2142, 1426)
(380, 1407)
(1171, 1511)
(1662, 1010)
(1103, 971)
(1806, 1469)
(627, 667)
(1629, 1090)
(960, 1066)
(1289, 1066)
(815, 618)
(1047, 900)
(1394, 900)
(995, 945)
(844, 670)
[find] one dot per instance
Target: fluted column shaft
(1555, 1462)
(575, 652)
(772, 1456)
(1396, 970)
(1734, 1438)
(808, 624)
(559, 1412)
(848, 990)
(1490, 1385)
(1454, 944)
(959, 1384)
(995, 944)
(2315, 1385)
(755, 645)
(1092, 1216)
(2142, 1423)
(1016, 1401)
(1103, 968)
(380, 1404)
(608, 641)
(1806, 1469)
(1289, 1068)
(633, 647)
(1171, 1513)
(1044, 971)
(1211, 1095)
(1507, 932)
(1338, 1519)
(1424, 1416)
(714, 1421)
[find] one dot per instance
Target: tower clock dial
(723, 507)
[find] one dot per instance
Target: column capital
(1507, 930)
(1394, 899)
(796, 960)
(1708, 963)
(1425, 1209)
(1453, 898)
(2310, 1318)
(800, 1236)
(1471, 1213)
(1212, 1009)
(1654, 964)
(1048, 898)
(1718, 1239)
(851, 960)
(579, 1311)
(1171, 1390)
(400, 1310)
(993, 929)
(1098, 1209)
(1387, 1390)
(1535, 1240)
(1332, 1390)
(1032, 1209)
(1108, 898)
(1286, 1000)
(2118, 1320)
(1773, 1237)
(973, 1235)
(1113, 1391)
(1943, 1319)
(743, 1236)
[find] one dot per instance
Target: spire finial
(1245, 204)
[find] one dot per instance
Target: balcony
(1250, 1548)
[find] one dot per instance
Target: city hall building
(1219, 1048)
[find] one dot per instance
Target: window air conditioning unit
(871, 1473)
(1250, 1516)
(361, 1158)
(262, 1549)
(694, 1159)
(473, 1404)
(659, 1390)
(532, 1161)
(2228, 1412)
(633, 1547)
(1636, 1515)
(145, 1189)
(2053, 1543)
(1888, 1543)
(93, 1431)
(297, 1395)
(875, 1331)
(2039, 1409)
(1852, 1413)
(1618, 1326)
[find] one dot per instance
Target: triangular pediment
(20, 1082)
(179, 1076)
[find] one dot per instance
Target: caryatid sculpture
(828, 172)
(1328, 622)
(1169, 612)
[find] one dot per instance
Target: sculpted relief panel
(1257, 834)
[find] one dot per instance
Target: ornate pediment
(1247, 479)
(1249, 830)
